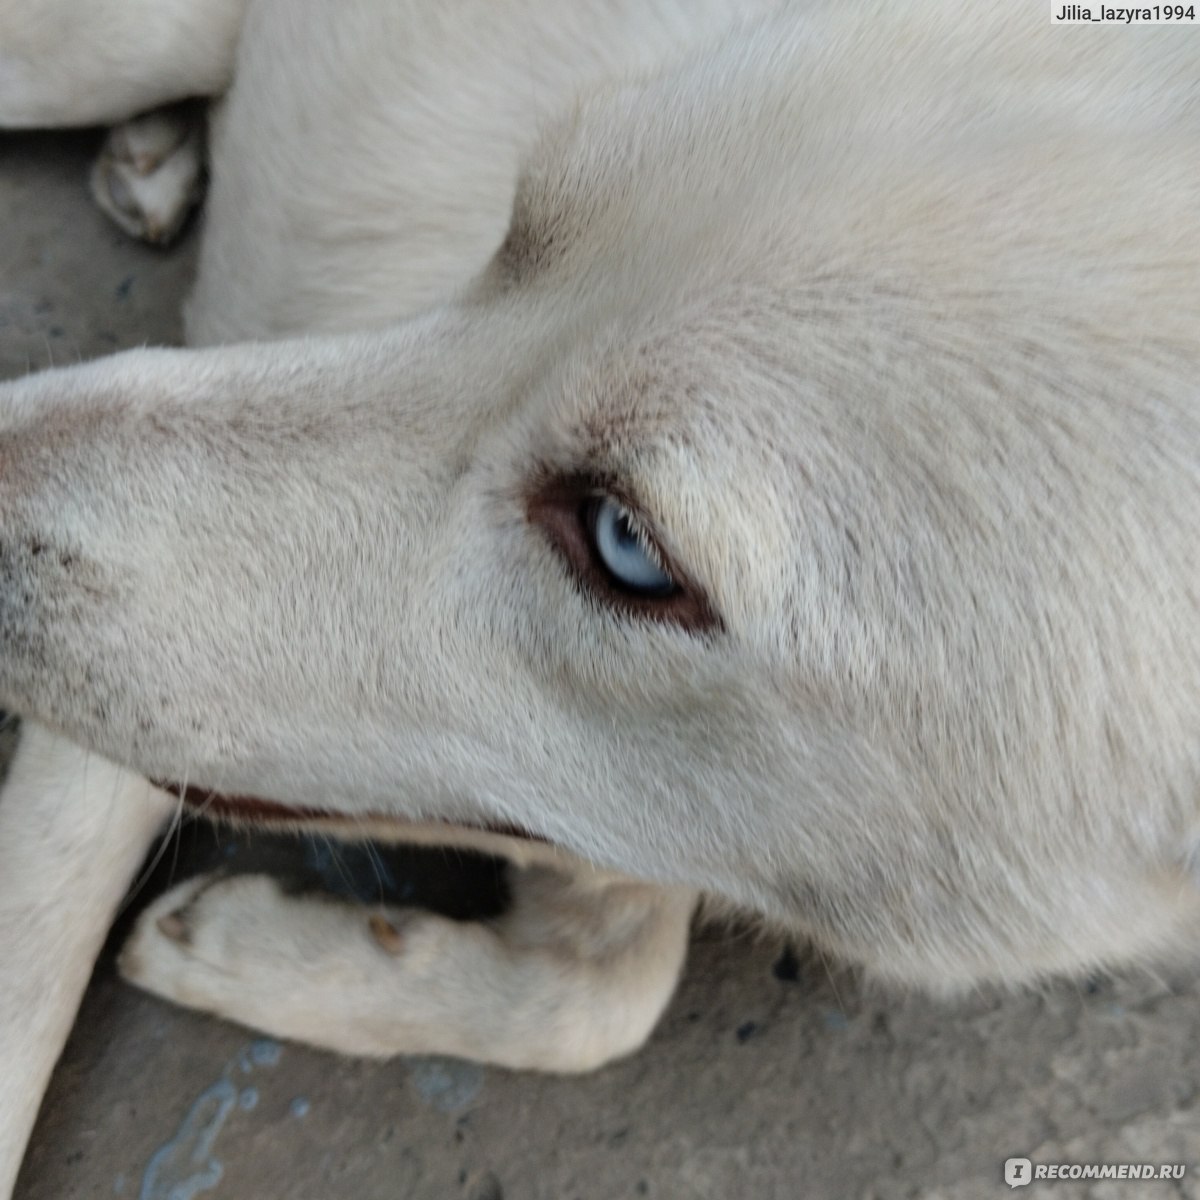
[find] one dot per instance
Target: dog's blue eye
(625, 551)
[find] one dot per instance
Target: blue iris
(625, 552)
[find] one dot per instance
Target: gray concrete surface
(755, 1086)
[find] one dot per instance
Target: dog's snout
(214, 517)
(38, 547)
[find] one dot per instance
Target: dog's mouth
(254, 810)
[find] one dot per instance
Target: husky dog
(688, 449)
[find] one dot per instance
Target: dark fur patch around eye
(557, 506)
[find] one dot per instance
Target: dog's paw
(150, 173)
(195, 945)
(242, 948)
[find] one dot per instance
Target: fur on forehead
(768, 147)
(670, 423)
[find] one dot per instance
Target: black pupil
(625, 531)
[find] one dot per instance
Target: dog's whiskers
(372, 852)
(171, 835)
(837, 996)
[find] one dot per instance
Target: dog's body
(881, 328)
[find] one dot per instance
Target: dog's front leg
(73, 830)
(576, 973)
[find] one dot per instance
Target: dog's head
(801, 506)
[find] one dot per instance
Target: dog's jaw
(255, 810)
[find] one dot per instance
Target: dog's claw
(173, 926)
(386, 934)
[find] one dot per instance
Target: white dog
(689, 452)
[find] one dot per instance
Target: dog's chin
(255, 810)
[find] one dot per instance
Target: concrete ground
(769, 1077)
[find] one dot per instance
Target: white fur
(73, 829)
(888, 319)
(509, 991)
(83, 62)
